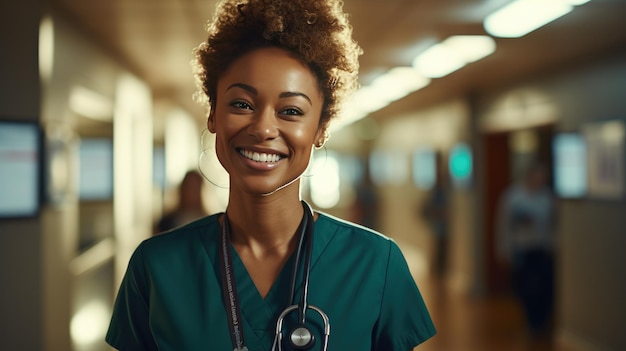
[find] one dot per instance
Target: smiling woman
(270, 273)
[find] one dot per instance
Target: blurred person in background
(190, 204)
(526, 245)
(271, 273)
(365, 208)
(436, 212)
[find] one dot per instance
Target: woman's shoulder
(185, 235)
(355, 233)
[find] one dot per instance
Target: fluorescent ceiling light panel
(398, 83)
(391, 86)
(91, 104)
(367, 100)
(577, 2)
(395, 84)
(453, 53)
(437, 61)
(471, 47)
(521, 17)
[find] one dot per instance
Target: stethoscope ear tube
(279, 326)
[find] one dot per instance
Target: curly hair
(316, 31)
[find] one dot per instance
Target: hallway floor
(466, 323)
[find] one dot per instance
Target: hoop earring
(310, 172)
(208, 163)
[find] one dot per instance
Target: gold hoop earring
(208, 163)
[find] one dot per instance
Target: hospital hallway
(102, 117)
(474, 323)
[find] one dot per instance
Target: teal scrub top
(171, 295)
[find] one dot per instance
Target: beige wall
(439, 127)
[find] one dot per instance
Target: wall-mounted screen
(388, 167)
(461, 165)
(606, 151)
(20, 165)
(570, 165)
(95, 169)
(424, 168)
(158, 167)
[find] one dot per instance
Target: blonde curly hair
(317, 31)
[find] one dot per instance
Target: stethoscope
(299, 337)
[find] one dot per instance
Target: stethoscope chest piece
(301, 338)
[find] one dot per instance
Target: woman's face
(266, 120)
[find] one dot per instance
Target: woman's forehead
(271, 70)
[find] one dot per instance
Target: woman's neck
(264, 225)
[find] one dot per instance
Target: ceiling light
(521, 17)
(577, 2)
(453, 53)
(471, 48)
(437, 61)
(366, 99)
(46, 48)
(88, 103)
(393, 85)
(397, 83)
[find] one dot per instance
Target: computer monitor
(158, 167)
(20, 169)
(569, 152)
(95, 169)
(424, 167)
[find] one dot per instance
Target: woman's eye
(242, 105)
(292, 112)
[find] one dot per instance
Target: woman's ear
(321, 137)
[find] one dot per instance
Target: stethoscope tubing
(306, 242)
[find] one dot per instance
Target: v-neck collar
(259, 314)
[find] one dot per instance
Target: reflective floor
(470, 323)
(467, 323)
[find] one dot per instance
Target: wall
(63, 219)
(439, 127)
(39, 263)
(76, 317)
(592, 282)
(20, 240)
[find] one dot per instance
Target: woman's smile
(260, 157)
(261, 160)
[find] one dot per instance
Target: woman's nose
(263, 125)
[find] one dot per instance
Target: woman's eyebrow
(245, 87)
(286, 94)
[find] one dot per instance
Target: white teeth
(260, 157)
